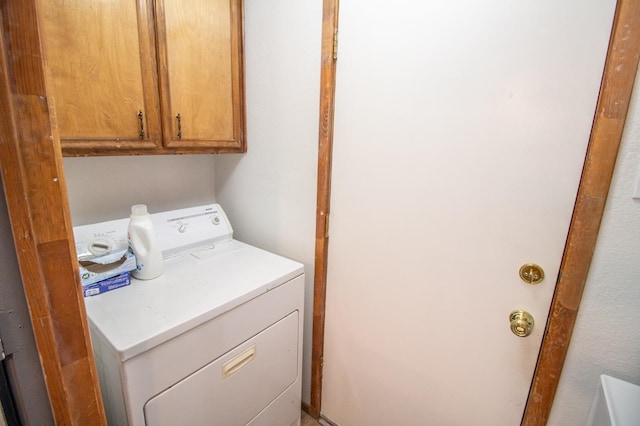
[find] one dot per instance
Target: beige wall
(105, 188)
(269, 193)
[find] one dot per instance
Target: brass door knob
(521, 323)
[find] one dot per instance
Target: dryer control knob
(215, 220)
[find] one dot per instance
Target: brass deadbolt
(531, 273)
(521, 323)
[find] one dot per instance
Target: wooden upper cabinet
(144, 76)
(101, 74)
(200, 56)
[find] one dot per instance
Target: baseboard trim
(324, 421)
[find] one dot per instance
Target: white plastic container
(617, 403)
(143, 243)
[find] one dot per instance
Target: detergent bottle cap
(138, 210)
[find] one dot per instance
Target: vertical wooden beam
(606, 133)
(323, 207)
(35, 190)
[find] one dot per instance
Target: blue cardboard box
(106, 285)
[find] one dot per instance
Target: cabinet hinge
(335, 43)
(326, 225)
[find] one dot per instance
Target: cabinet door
(201, 73)
(102, 74)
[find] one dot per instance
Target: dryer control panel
(181, 230)
(177, 231)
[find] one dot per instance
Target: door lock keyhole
(531, 273)
(521, 323)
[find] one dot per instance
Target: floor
(307, 420)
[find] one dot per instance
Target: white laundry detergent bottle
(142, 241)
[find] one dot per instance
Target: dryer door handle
(237, 362)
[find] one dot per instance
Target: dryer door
(236, 387)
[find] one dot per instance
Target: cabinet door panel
(101, 72)
(200, 72)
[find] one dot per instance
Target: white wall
(606, 339)
(269, 193)
(105, 188)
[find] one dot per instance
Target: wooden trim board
(323, 207)
(36, 195)
(611, 112)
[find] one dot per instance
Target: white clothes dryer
(215, 340)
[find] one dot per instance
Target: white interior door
(460, 132)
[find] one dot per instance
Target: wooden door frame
(609, 119)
